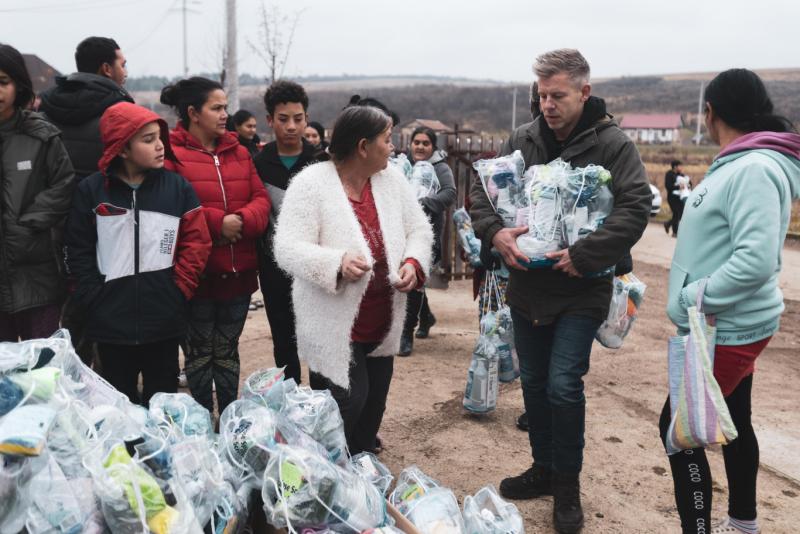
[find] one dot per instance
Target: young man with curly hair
(277, 163)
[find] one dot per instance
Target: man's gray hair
(567, 60)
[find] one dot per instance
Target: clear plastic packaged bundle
(402, 164)
(487, 513)
(199, 471)
(303, 489)
(626, 298)
(436, 512)
(248, 433)
(268, 387)
(466, 237)
(542, 214)
(587, 200)
(423, 180)
(480, 395)
(562, 205)
(368, 466)
(317, 414)
(180, 412)
(502, 180)
(133, 498)
(498, 330)
(411, 485)
(78, 380)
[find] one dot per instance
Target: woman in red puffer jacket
(237, 207)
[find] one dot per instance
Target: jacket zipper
(224, 203)
(224, 196)
(136, 262)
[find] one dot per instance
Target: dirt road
(626, 486)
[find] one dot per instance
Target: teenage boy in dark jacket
(557, 311)
(277, 163)
(137, 242)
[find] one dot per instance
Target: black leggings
(692, 476)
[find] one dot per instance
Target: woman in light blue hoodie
(732, 234)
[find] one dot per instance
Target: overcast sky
(495, 39)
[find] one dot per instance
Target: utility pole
(185, 43)
(514, 110)
(231, 68)
(697, 136)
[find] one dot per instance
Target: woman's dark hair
(184, 94)
(283, 92)
(427, 131)
(93, 52)
(12, 63)
(356, 100)
(241, 116)
(674, 163)
(354, 124)
(739, 98)
(319, 128)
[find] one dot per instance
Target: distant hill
(485, 105)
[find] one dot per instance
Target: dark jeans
(276, 287)
(553, 360)
(676, 205)
(362, 407)
(692, 475)
(32, 323)
(212, 344)
(157, 362)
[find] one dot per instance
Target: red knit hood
(120, 123)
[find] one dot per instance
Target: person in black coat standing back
(77, 102)
(75, 106)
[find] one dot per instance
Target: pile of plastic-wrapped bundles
(558, 203)
(421, 176)
(107, 465)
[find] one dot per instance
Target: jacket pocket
(677, 281)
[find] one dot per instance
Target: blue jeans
(552, 361)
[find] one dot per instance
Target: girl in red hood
(137, 243)
(236, 207)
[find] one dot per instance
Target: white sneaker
(725, 527)
(182, 382)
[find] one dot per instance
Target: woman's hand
(408, 278)
(232, 227)
(353, 267)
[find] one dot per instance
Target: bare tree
(275, 39)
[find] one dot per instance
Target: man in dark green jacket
(557, 311)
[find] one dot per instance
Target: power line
(154, 29)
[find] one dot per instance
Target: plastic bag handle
(701, 290)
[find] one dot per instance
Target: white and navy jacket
(136, 255)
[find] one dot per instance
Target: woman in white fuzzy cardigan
(355, 240)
